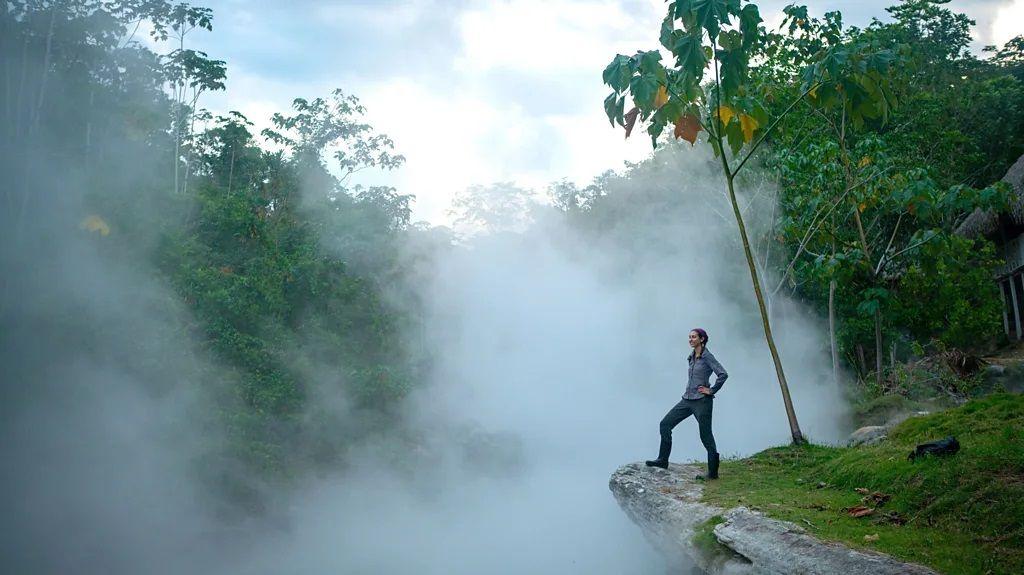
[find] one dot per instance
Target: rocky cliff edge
(666, 505)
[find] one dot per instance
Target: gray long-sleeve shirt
(701, 369)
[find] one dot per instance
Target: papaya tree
(711, 86)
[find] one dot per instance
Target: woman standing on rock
(698, 400)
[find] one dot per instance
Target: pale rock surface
(666, 505)
(868, 435)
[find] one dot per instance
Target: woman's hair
(703, 335)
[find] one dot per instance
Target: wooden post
(1016, 306)
(1006, 310)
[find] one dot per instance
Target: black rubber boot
(664, 450)
(712, 473)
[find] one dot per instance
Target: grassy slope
(964, 514)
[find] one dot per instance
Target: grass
(959, 514)
(882, 409)
(704, 537)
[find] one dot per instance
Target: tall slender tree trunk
(832, 330)
(878, 311)
(179, 101)
(177, 139)
(7, 49)
(794, 426)
(35, 110)
(862, 361)
(231, 168)
(45, 71)
(88, 122)
(832, 310)
(878, 348)
(191, 132)
(188, 155)
(19, 106)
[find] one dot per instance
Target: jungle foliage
(883, 140)
(282, 267)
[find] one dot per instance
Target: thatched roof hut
(1006, 229)
(987, 222)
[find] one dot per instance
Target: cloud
(473, 92)
(544, 37)
(1006, 24)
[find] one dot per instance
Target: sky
(473, 92)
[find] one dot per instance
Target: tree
(499, 207)
(189, 73)
(333, 124)
(719, 38)
(570, 198)
(893, 189)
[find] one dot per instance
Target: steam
(556, 348)
(565, 347)
(103, 412)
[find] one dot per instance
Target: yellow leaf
(661, 98)
(814, 92)
(725, 113)
(865, 161)
(748, 124)
(861, 207)
(95, 223)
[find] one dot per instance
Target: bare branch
(888, 246)
(815, 222)
(132, 35)
(905, 250)
(764, 134)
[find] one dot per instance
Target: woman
(698, 400)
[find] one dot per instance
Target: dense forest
(234, 268)
(881, 147)
(282, 270)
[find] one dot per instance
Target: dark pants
(700, 409)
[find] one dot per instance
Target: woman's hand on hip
(704, 390)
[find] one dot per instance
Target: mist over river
(564, 351)
(218, 356)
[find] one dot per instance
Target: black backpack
(947, 446)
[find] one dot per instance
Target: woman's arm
(720, 374)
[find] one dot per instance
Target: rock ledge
(666, 504)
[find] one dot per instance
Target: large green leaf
(613, 107)
(618, 73)
(644, 88)
(734, 136)
(690, 55)
(732, 70)
(749, 20)
(650, 61)
(712, 14)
